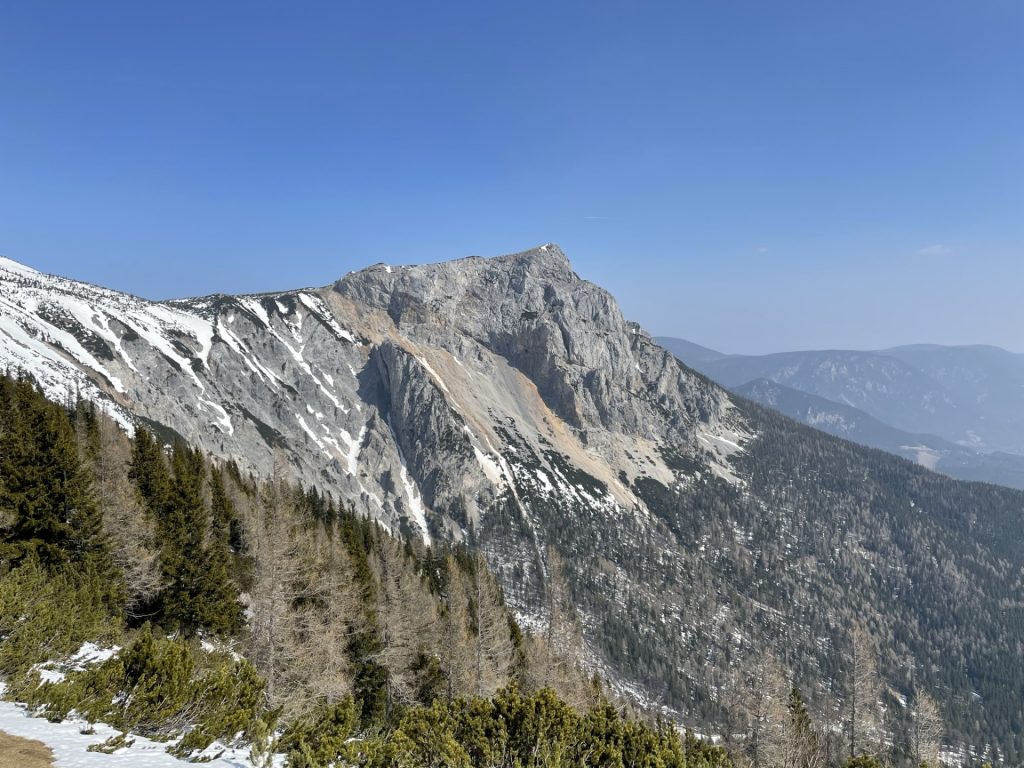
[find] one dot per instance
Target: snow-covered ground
(70, 745)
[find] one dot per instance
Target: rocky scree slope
(425, 396)
(506, 401)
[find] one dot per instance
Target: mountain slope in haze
(989, 381)
(507, 402)
(971, 396)
(852, 424)
(885, 387)
(688, 351)
(866, 396)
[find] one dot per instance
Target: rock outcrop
(506, 402)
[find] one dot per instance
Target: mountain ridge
(507, 403)
(971, 395)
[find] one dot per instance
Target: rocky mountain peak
(565, 334)
(507, 402)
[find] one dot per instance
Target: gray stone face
(486, 398)
(566, 335)
(507, 402)
(391, 389)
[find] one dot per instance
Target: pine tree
(46, 492)
(223, 609)
(183, 601)
(148, 470)
(197, 590)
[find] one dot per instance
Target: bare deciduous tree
(759, 694)
(555, 656)
(303, 603)
(326, 616)
(131, 530)
(455, 650)
(406, 616)
(492, 662)
(274, 545)
(927, 730)
(864, 719)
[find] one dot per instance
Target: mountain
(687, 350)
(885, 387)
(988, 381)
(852, 424)
(399, 389)
(971, 396)
(506, 402)
(957, 410)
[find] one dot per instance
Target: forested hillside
(239, 612)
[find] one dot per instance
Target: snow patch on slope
(70, 745)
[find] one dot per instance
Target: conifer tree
(46, 492)
(148, 470)
(369, 676)
(184, 599)
(197, 591)
(224, 611)
(803, 749)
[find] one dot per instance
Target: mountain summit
(395, 388)
(506, 402)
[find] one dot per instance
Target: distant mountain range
(957, 410)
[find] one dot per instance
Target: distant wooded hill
(957, 410)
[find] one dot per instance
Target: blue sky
(754, 176)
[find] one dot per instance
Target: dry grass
(16, 752)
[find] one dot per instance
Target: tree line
(261, 613)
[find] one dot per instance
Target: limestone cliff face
(394, 389)
(497, 399)
(567, 336)
(506, 402)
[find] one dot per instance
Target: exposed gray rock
(506, 401)
(480, 398)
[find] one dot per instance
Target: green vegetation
(257, 613)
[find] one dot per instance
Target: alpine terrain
(505, 403)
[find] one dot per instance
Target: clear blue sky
(754, 176)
